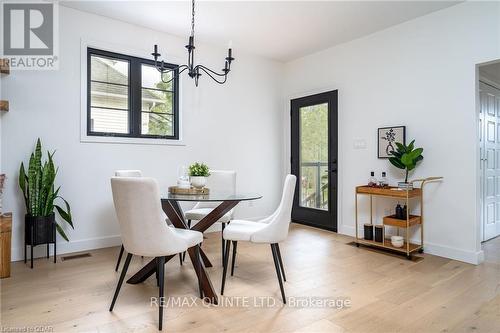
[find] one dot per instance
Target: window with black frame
(128, 98)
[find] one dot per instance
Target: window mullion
(135, 97)
(176, 104)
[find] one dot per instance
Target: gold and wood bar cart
(411, 220)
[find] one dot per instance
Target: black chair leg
(184, 254)
(198, 268)
(120, 281)
(280, 261)
(47, 250)
(235, 243)
(278, 271)
(119, 258)
(25, 252)
(224, 271)
(223, 243)
(180, 258)
(161, 277)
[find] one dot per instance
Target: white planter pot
(405, 186)
(198, 181)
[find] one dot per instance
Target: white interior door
(490, 159)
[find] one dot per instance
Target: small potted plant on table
(406, 157)
(40, 195)
(198, 173)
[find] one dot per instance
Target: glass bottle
(372, 182)
(399, 212)
(182, 177)
(383, 180)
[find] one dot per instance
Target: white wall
(234, 126)
(421, 74)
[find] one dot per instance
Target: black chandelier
(193, 71)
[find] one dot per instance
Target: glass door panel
(313, 130)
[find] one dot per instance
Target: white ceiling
(491, 71)
(281, 30)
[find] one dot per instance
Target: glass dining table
(171, 207)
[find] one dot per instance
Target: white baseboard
(470, 257)
(69, 247)
(347, 230)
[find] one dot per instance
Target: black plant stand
(39, 231)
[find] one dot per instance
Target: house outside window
(126, 97)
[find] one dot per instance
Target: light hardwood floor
(387, 293)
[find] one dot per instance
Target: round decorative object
(198, 181)
(397, 241)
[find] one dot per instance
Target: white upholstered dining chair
(271, 230)
(134, 173)
(144, 231)
(220, 181)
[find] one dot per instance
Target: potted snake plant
(40, 197)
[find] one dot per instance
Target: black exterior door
(314, 159)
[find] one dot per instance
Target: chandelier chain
(192, 19)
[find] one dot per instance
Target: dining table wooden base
(176, 216)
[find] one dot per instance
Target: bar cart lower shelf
(387, 245)
(410, 221)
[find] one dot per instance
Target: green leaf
(31, 184)
(61, 232)
(65, 214)
(50, 201)
(401, 147)
(396, 154)
(22, 183)
(38, 155)
(416, 153)
(396, 162)
(410, 146)
(37, 203)
(406, 159)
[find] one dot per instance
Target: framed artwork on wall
(387, 138)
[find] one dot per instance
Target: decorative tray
(189, 191)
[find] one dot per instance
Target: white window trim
(84, 137)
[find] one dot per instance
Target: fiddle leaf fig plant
(199, 170)
(39, 192)
(406, 157)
